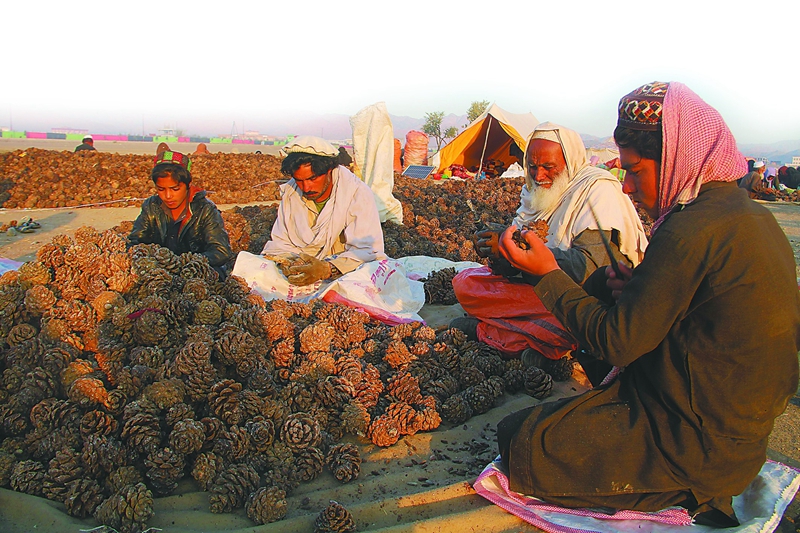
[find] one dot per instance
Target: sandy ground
(422, 484)
(133, 147)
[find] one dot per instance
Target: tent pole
(485, 142)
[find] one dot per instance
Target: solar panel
(418, 171)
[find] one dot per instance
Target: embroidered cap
(175, 158)
(642, 108)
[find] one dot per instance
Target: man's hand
(537, 260)
(486, 240)
(308, 271)
(615, 283)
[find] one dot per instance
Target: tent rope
(485, 142)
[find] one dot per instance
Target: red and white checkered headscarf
(697, 148)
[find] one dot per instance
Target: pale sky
(166, 63)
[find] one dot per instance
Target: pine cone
(122, 477)
(196, 290)
(64, 467)
(98, 423)
(384, 431)
(334, 519)
(165, 393)
(344, 462)
(443, 387)
(267, 504)
(20, 333)
(87, 391)
(33, 273)
(538, 383)
(207, 312)
(39, 299)
(300, 431)
(178, 412)
(224, 402)
(28, 477)
(559, 369)
(150, 327)
(456, 409)
(316, 338)
(404, 387)
(234, 444)
(480, 398)
(142, 432)
(405, 416)
(232, 487)
(398, 355)
(207, 467)
(106, 302)
(82, 497)
(355, 418)
(308, 464)
(128, 510)
(187, 436)
(164, 470)
(262, 433)
(102, 454)
(514, 380)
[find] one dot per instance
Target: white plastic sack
(513, 171)
(373, 149)
(379, 288)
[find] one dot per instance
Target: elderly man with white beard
(562, 189)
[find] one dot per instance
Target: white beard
(544, 199)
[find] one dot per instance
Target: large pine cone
(122, 477)
(443, 387)
(234, 445)
(207, 467)
(150, 327)
(559, 369)
(106, 302)
(39, 299)
(355, 418)
(334, 392)
(262, 433)
(334, 519)
(384, 431)
(165, 393)
(480, 398)
(128, 510)
(82, 497)
(300, 431)
(187, 436)
(98, 423)
(404, 387)
(20, 333)
(207, 312)
(28, 477)
(142, 432)
(344, 462)
(87, 391)
(398, 355)
(33, 273)
(308, 464)
(405, 416)
(232, 487)
(267, 504)
(514, 380)
(538, 383)
(225, 402)
(64, 467)
(456, 409)
(164, 470)
(316, 338)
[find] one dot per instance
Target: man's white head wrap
(308, 144)
(570, 215)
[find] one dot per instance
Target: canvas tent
(488, 137)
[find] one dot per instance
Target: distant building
(69, 131)
(795, 162)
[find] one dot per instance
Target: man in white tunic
(327, 215)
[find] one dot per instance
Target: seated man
(179, 216)
(687, 421)
(87, 143)
(562, 189)
(326, 233)
(753, 181)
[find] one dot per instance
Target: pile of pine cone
(47, 178)
(126, 370)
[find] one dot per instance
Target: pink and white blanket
(759, 508)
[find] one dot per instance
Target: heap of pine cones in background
(47, 178)
(124, 371)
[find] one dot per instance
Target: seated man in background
(179, 216)
(562, 189)
(86, 144)
(753, 181)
